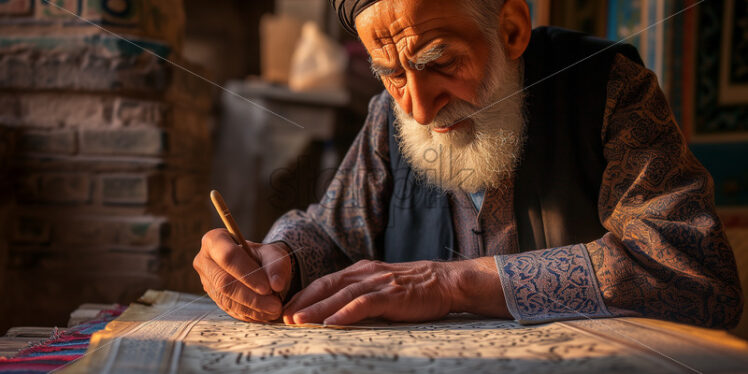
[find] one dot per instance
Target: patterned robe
(664, 256)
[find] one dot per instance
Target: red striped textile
(58, 350)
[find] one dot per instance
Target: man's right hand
(242, 284)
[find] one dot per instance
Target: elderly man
(514, 173)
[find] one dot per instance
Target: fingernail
(299, 318)
(276, 280)
(263, 289)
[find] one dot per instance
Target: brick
(128, 188)
(144, 231)
(15, 7)
(111, 232)
(84, 63)
(132, 112)
(121, 13)
(154, 19)
(51, 9)
(10, 109)
(30, 229)
(123, 141)
(55, 110)
(61, 142)
(55, 188)
(92, 164)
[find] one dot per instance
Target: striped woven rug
(59, 349)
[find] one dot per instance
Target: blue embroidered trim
(550, 285)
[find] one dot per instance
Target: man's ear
(515, 26)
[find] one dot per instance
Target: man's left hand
(410, 291)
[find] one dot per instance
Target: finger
(235, 260)
(365, 306)
(316, 313)
(289, 308)
(228, 285)
(237, 315)
(294, 298)
(269, 305)
(239, 311)
(276, 263)
(217, 281)
(318, 290)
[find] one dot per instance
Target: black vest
(558, 181)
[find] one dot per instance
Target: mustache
(451, 113)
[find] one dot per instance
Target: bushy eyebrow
(430, 55)
(380, 70)
(423, 58)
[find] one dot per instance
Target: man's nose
(427, 97)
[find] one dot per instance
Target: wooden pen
(230, 223)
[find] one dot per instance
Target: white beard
(477, 156)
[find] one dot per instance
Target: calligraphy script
(183, 333)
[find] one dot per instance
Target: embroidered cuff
(550, 285)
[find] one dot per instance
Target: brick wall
(109, 170)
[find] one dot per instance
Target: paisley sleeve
(665, 254)
(342, 227)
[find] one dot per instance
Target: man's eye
(397, 78)
(445, 65)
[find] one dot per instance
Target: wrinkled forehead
(402, 26)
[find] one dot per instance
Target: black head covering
(348, 10)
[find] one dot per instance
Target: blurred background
(109, 146)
